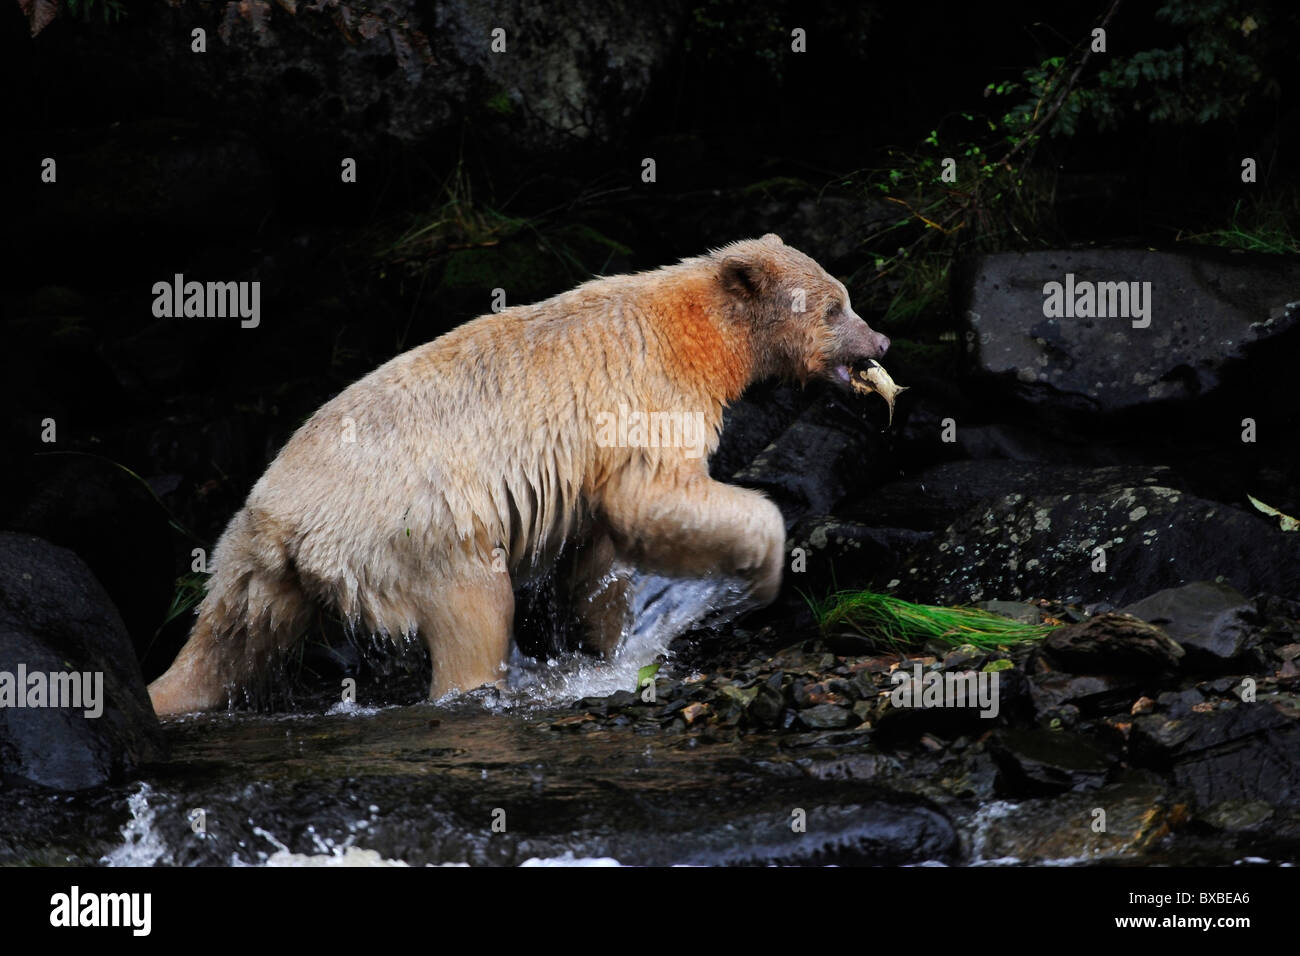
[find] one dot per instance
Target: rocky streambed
(1111, 744)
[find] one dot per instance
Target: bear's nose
(882, 343)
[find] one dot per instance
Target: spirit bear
(415, 500)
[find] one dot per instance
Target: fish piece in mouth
(871, 376)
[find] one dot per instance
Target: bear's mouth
(845, 373)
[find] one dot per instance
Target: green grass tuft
(897, 623)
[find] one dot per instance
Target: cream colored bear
(415, 499)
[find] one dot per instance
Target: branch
(1063, 95)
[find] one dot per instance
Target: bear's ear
(745, 276)
(773, 238)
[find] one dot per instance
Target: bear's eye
(832, 310)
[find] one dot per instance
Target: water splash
(142, 844)
(568, 859)
(662, 609)
(342, 856)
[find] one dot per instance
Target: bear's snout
(859, 341)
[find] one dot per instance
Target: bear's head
(797, 315)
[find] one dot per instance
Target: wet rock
(693, 712)
(859, 766)
(1213, 622)
(1238, 814)
(1236, 751)
(877, 833)
(767, 706)
(803, 658)
(966, 657)
(811, 693)
(1036, 762)
(55, 618)
(1150, 537)
(827, 716)
(1016, 610)
(1178, 704)
(813, 464)
(1206, 311)
(848, 553)
(1140, 815)
(1110, 644)
(1085, 694)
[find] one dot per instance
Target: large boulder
(55, 618)
(1022, 545)
(1206, 312)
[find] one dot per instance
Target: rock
(1110, 644)
(827, 716)
(55, 618)
(1237, 751)
(933, 498)
(753, 422)
(767, 706)
(1206, 311)
(1090, 695)
(1152, 537)
(815, 462)
(848, 553)
(402, 69)
(693, 712)
(1212, 622)
(965, 657)
(1016, 610)
(1036, 762)
(1180, 703)
(880, 832)
(1238, 814)
(857, 766)
(110, 520)
(1139, 817)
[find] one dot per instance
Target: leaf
(1288, 523)
(645, 674)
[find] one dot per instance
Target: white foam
(142, 844)
(568, 859)
(662, 609)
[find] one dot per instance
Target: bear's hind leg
(467, 628)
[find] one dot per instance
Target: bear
(415, 501)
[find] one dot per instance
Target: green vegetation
(190, 588)
(109, 10)
(1262, 225)
(897, 623)
(460, 223)
(646, 673)
(1220, 60)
